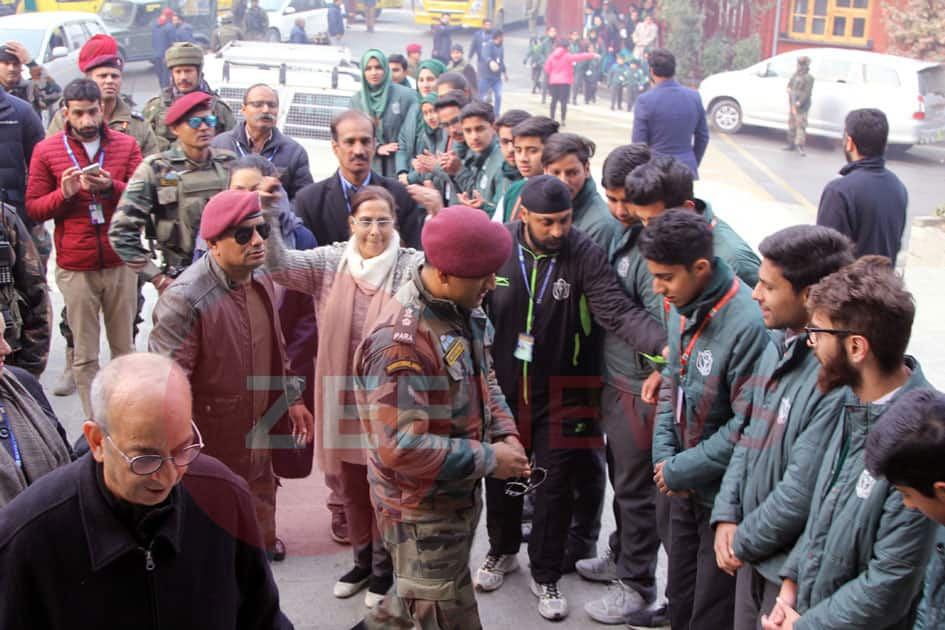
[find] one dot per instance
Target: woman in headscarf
(351, 282)
(428, 71)
(429, 138)
(388, 105)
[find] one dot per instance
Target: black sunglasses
(244, 234)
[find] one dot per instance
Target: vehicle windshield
(271, 5)
(117, 12)
(31, 39)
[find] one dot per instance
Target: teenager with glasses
(350, 282)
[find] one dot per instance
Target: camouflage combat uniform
(428, 396)
(155, 109)
(165, 198)
(800, 87)
(41, 90)
(126, 120)
(224, 34)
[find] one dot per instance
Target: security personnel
(100, 61)
(799, 90)
(428, 395)
(184, 61)
(166, 195)
(40, 90)
(225, 33)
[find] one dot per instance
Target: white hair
(138, 371)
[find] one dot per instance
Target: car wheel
(726, 116)
(272, 35)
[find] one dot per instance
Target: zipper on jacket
(149, 564)
(149, 567)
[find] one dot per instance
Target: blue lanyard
(16, 449)
(271, 157)
(528, 285)
(101, 156)
(347, 186)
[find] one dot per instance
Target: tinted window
(94, 28)
(75, 35)
(838, 70)
(782, 67)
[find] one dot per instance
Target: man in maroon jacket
(76, 177)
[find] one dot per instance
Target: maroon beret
(100, 50)
(464, 242)
(183, 105)
(414, 48)
(226, 209)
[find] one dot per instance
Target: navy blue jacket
(336, 21)
(287, 155)
(443, 41)
(298, 36)
(671, 120)
(163, 37)
(479, 40)
(868, 204)
(20, 131)
(490, 51)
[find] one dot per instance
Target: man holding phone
(76, 178)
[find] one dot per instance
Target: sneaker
(655, 616)
(526, 530)
(277, 553)
(491, 574)
(339, 528)
(551, 604)
(573, 556)
(352, 582)
(620, 601)
(377, 590)
(603, 569)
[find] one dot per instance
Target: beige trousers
(111, 292)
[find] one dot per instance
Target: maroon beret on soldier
(464, 242)
(227, 209)
(100, 50)
(184, 105)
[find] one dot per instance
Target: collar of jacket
(585, 196)
(860, 416)
(667, 83)
(104, 134)
(510, 172)
(519, 233)
(719, 283)
(243, 138)
(108, 538)
(791, 356)
(476, 160)
(628, 240)
(220, 276)
(171, 93)
(445, 309)
(876, 163)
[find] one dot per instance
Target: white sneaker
(491, 574)
(551, 604)
(620, 602)
(602, 569)
(352, 582)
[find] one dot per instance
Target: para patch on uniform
(404, 364)
(455, 351)
(405, 326)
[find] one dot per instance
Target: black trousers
(754, 596)
(616, 97)
(590, 91)
(559, 94)
(701, 595)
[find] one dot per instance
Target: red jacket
(80, 245)
(560, 65)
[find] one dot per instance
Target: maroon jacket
(80, 245)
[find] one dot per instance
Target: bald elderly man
(164, 535)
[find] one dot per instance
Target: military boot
(65, 386)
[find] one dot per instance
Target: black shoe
(788, 147)
(351, 582)
(657, 617)
(277, 553)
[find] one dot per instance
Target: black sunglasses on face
(243, 235)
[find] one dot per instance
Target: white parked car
(283, 13)
(911, 93)
(54, 38)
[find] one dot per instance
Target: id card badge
(525, 349)
(96, 214)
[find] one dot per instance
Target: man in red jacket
(76, 178)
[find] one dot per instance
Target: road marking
(780, 181)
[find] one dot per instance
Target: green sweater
(399, 104)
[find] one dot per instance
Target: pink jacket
(560, 65)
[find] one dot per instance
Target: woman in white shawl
(351, 282)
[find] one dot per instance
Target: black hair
(805, 254)
(869, 130)
(677, 181)
(906, 443)
(458, 47)
(537, 127)
(644, 185)
(455, 80)
(256, 85)
(398, 59)
(561, 144)
(497, 32)
(511, 118)
(255, 161)
(81, 90)
(478, 109)
(620, 162)
(350, 114)
(677, 237)
(453, 98)
(663, 63)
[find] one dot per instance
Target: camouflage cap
(184, 54)
(803, 61)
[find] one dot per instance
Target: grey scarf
(40, 445)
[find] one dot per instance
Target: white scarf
(371, 273)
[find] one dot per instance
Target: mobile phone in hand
(92, 169)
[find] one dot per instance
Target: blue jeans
(496, 86)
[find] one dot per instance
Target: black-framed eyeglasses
(813, 331)
(519, 488)
(145, 465)
(244, 234)
(195, 121)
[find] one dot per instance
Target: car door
(71, 35)
(765, 96)
(316, 16)
(838, 88)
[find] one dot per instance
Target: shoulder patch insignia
(402, 365)
(455, 351)
(406, 325)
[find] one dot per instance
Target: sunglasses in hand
(524, 485)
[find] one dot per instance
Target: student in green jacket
(430, 138)
(482, 167)
(762, 506)
(639, 81)
(905, 447)
(860, 561)
(503, 129)
(408, 137)
(618, 79)
(664, 183)
(387, 104)
(528, 142)
(716, 340)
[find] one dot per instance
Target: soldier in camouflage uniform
(24, 295)
(166, 195)
(428, 396)
(799, 92)
(225, 33)
(40, 90)
(184, 62)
